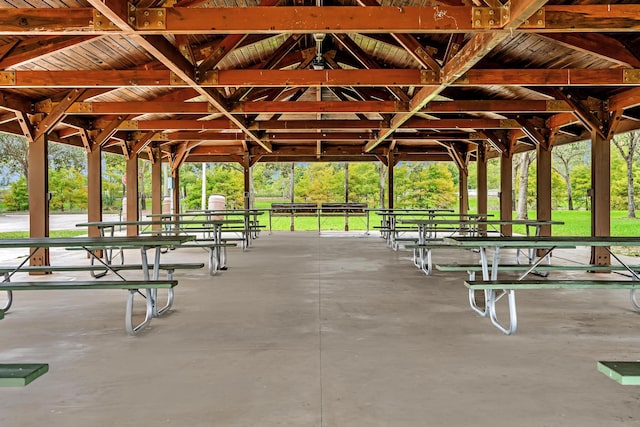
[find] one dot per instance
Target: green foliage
(17, 199)
(223, 178)
(364, 184)
(227, 179)
(322, 183)
(113, 190)
(68, 189)
(424, 185)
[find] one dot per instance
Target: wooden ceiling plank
(271, 63)
(228, 44)
(476, 48)
(170, 58)
(30, 50)
(601, 45)
(368, 62)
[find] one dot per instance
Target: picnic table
(210, 240)
(495, 289)
(388, 229)
(249, 231)
(150, 282)
(292, 210)
(345, 210)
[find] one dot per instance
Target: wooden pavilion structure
(247, 81)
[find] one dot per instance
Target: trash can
(217, 202)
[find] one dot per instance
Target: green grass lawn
(53, 233)
(576, 223)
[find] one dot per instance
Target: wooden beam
(53, 118)
(159, 47)
(313, 107)
(327, 19)
(479, 45)
(459, 76)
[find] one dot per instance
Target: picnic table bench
(345, 210)
(292, 210)
(495, 289)
(625, 373)
(210, 240)
(21, 374)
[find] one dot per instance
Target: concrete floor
(308, 330)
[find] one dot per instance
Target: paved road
(20, 222)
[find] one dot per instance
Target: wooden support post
(600, 195)
(94, 189)
(247, 181)
(481, 184)
(506, 193)
(292, 189)
(175, 191)
(543, 187)
(133, 210)
(391, 162)
(156, 184)
(38, 183)
(346, 195)
(463, 191)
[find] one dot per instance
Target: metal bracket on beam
(149, 19)
(209, 78)
(158, 136)
(175, 80)
(81, 107)
(537, 20)
(558, 105)
(489, 17)
(101, 23)
(631, 76)
(7, 78)
(429, 77)
(128, 125)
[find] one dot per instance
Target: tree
(628, 144)
(524, 161)
(363, 183)
(17, 199)
(569, 156)
(68, 189)
(14, 152)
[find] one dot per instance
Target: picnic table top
(227, 212)
(158, 222)
(544, 241)
(425, 221)
(626, 373)
(519, 222)
(83, 241)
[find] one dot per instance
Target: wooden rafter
(160, 48)
(54, 117)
